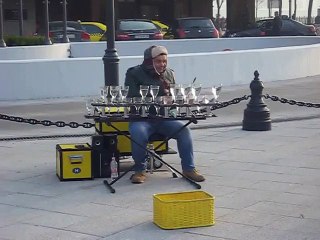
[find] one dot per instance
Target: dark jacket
(145, 74)
(137, 76)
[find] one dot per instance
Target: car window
(57, 26)
(261, 23)
(136, 25)
(196, 23)
(92, 29)
(75, 25)
(288, 25)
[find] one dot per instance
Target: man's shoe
(138, 177)
(194, 175)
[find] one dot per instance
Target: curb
(235, 124)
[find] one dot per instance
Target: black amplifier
(104, 147)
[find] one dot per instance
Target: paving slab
(264, 186)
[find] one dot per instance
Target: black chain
(219, 105)
(46, 122)
(291, 102)
(45, 137)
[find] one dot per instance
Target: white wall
(55, 51)
(90, 49)
(136, 48)
(73, 77)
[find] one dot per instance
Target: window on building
(13, 14)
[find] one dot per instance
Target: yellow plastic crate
(183, 209)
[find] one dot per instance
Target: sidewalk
(304, 89)
(266, 184)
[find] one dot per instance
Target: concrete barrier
(73, 77)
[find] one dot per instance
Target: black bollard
(256, 115)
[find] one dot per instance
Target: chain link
(44, 137)
(291, 102)
(46, 123)
(219, 105)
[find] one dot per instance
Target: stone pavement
(265, 183)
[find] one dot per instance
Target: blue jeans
(141, 131)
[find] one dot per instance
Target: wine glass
(104, 93)
(148, 100)
(158, 100)
(172, 90)
(167, 100)
(89, 107)
(190, 94)
(179, 96)
(137, 101)
(197, 88)
(144, 89)
(154, 90)
(124, 92)
(215, 92)
(114, 91)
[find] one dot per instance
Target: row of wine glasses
(179, 94)
(185, 93)
(117, 93)
(152, 89)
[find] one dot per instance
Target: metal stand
(153, 153)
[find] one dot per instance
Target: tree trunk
(295, 9)
(290, 9)
(280, 8)
(310, 11)
(269, 7)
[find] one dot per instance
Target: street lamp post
(47, 40)
(2, 42)
(111, 58)
(65, 38)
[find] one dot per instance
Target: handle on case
(75, 159)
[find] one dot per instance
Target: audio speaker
(104, 147)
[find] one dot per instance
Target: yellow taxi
(95, 29)
(163, 27)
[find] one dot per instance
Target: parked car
(192, 27)
(75, 32)
(95, 29)
(136, 29)
(263, 27)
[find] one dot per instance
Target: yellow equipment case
(73, 161)
(124, 143)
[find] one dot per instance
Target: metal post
(256, 115)
(20, 18)
(47, 40)
(2, 42)
(65, 38)
(111, 58)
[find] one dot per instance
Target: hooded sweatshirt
(145, 74)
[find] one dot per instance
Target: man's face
(160, 63)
